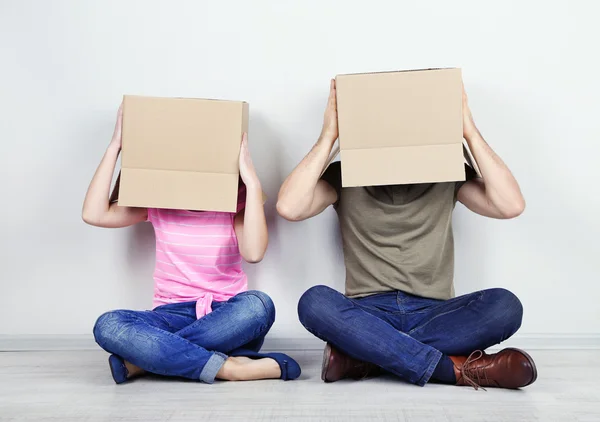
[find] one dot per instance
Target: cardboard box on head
(181, 153)
(401, 127)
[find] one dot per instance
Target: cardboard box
(400, 127)
(181, 153)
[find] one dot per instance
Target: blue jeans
(169, 340)
(406, 334)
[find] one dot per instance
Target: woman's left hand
(247, 171)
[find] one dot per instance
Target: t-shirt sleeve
(333, 176)
(470, 174)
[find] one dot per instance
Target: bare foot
(133, 371)
(245, 369)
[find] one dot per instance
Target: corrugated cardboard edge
(470, 158)
(185, 98)
(334, 152)
(396, 71)
(114, 196)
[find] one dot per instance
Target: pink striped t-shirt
(197, 257)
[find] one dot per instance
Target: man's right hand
(303, 194)
(329, 133)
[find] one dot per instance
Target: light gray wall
(531, 70)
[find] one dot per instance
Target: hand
(247, 171)
(329, 132)
(117, 134)
(468, 122)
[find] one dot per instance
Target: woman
(205, 324)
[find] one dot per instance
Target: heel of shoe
(117, 369)
(325, 365)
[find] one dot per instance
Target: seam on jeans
(264, 329)
(400, 304)
(170, 334)
(185, 329)
(445, 313)
(427, 375)
(364, 307)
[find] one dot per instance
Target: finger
(331, 98)
(245, 137)
(119, 122)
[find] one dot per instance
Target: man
(399, 312)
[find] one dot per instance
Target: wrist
(469, 129)
(326, 139)
(114, 148)
(253, 185)
(470, 134)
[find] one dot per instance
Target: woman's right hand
(98, 210)
(329, 132)
(117, 134)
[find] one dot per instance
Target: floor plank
(76, 386)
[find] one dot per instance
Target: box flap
(413, 164)
(171, 190)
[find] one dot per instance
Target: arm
(303, 194)
(250, 223)
(496, 194)
(97, 208)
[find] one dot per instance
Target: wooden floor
(76, 386)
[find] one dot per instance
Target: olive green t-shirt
(397, 237)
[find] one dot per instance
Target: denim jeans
(169, 340)
(406, 334)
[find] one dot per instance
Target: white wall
(531, 69)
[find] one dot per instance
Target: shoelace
(469, 374)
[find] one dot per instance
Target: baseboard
(13, 343)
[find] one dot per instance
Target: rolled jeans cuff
(212, 367)
(437, 355)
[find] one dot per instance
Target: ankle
(232, 370)
(132, 370)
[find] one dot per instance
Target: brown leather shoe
(337, 366)
(509, 368)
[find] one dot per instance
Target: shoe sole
(325, 366)
(531, 362)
